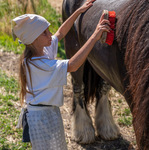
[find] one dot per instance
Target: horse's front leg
(105, 125)
(83, 130)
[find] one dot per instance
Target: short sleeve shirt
(48, 77)
(51, 51)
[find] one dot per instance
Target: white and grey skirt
(45, 127)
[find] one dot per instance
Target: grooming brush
(108, 37)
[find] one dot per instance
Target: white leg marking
(83, 130)
(105, 125)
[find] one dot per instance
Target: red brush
(108, 37)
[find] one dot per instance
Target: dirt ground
(9, 63)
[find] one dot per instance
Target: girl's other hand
(86, 5)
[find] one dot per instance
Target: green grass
(43, 8)
(125, 121)
(10, 137)
(9, 83)
(125, 118)
(119, 101)
(7, 44)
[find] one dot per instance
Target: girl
(42, 78)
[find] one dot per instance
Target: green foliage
(126, 121)
(9, 84)
(126, 112)
(119, 100)
(7, 43)
(10, 137)
(126, 118)
(10, 9)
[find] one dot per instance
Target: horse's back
(111, 4)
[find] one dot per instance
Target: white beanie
(28, 27)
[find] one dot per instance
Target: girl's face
(44, 39)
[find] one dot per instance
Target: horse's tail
(92, 82)
(141, 109)
(137, 61)
(132, 35)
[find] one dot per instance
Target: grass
(121, 109)
(7, 44)
(125, 117)
(10, 9)
(10, 137)
(125, 121)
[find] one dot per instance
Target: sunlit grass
(125, 117)
(10, 137)
(7, 44)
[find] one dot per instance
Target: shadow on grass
(119, 144)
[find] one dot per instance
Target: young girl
(42, 77)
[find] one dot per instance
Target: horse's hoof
(105, 125)
(108, 132)
(84, 135)
(82, 128)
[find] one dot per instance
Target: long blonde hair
(28, 53)
(25, 59)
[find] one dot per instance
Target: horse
(124, 65)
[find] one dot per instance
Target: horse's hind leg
(83, 130)
(105, 126)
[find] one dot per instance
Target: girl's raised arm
(66, 26)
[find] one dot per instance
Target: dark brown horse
(124, 65)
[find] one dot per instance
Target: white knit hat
(28, 27)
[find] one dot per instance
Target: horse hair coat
(124, 66)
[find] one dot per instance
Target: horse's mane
(132, 33)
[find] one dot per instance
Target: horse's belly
(105, 61)
(103, 58)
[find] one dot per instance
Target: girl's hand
(102, 26)
(86, 5)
